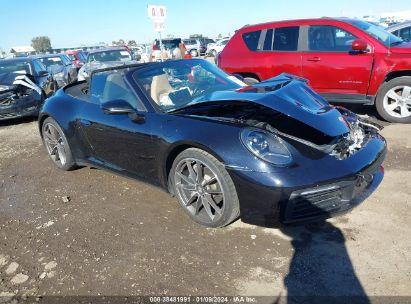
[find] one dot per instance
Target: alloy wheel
(397, 101)
(199, 190)
(55, 144)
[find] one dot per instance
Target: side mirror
(44, 73)
(359, 45)
(117, 106)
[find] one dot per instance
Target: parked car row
(197, 46)
(27, 81)
(175, 48)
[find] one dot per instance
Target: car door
(277, 52)
(330, 65)
(115, 140)
(43, 78)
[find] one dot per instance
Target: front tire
(57, 145)
(393, 101)
(204, 188)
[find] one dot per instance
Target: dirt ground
(89, 232)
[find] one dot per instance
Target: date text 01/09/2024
(202, 299)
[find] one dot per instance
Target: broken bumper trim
(333, 199)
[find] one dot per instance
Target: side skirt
(349, 98)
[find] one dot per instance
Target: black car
(60, 66)
(24, 85)
(222, 148)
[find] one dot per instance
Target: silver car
(402, 30)
(104, 58)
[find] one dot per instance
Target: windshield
(377, 32)
(72, 57)
(174, 85)
(114, 55)
(51, 61)
(14, 66)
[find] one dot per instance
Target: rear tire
(56, 145)
(393, 101)
(204, 188)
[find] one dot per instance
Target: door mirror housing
(359, 45)
(117, 106)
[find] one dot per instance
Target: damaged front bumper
(325, 201)
(311, 191)
(12, 107)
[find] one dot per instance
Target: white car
(214, 49)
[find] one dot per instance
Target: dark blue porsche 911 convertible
(223, 148)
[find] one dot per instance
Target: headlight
(266, 146)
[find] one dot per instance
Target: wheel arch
(41, 120)
(174, 151)
(397, 74)
(390, 76)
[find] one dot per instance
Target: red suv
(77, 57)
(345, 60)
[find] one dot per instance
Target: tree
(119, 42)
(132, 43)
(41, 44)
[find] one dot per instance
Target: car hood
(17, 82)
(284, 94)
(404, 48)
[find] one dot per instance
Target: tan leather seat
(160, 87)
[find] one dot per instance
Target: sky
(75, 22)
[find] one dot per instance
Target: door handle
(85, 122)
(314, 59)
(137, 117)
